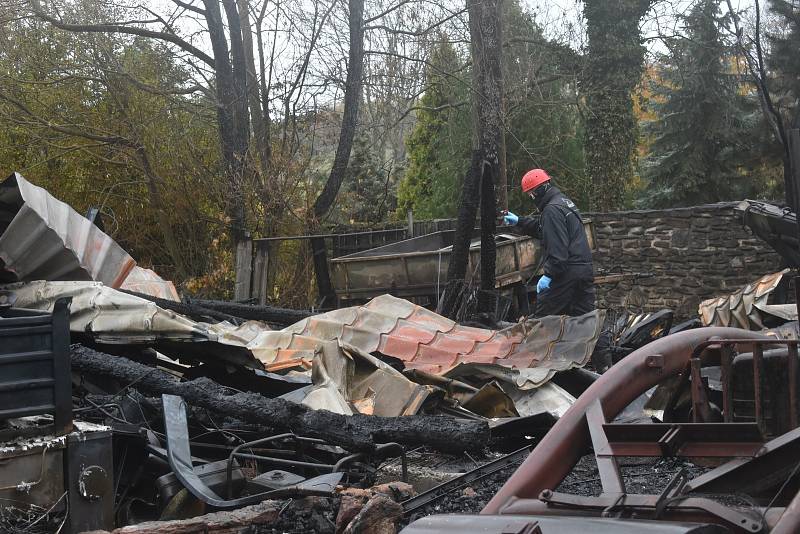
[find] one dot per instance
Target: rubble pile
(154, 414)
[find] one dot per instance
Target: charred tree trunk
(356, 432)
(488, 247)
(352, 101)
(486, 177)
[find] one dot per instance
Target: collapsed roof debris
(751, 307)
(147, 282)
(357, 432)
(208, 407)
(43, 238)
(422, 339)
(115, 319)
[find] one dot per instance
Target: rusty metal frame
(724, 352)
(530, 488)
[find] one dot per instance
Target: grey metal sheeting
(42, 238)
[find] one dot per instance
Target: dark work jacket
(566, 249)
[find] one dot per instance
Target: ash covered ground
(641, 475)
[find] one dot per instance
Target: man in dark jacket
(567, 286)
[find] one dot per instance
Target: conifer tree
(704, 120)
(784, 58)
(439, 145)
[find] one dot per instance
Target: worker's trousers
(567, 296)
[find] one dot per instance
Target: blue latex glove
(544, 284)
(510, 219)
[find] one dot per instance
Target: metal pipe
(312, 236)
(559, 451)
(229, 466)
(726, 366)
(789, 523)
(328, 468)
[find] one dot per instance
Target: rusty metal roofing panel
(749, 307)
(477, 334)
(427, 341)
(391, 306)
(48, 240)
(399, 347)
(363, 338)
(407, 330)
(453, 343)
(374, 321)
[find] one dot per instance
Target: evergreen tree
(439, 145)
(544, 128)
(784, 58)
(367, 193)
(704, 119)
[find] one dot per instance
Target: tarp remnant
(750, 307)
(43, 238)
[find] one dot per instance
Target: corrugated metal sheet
(749, 307)
(42, 238)
(527, 354)
(112, 317)
(147, 282)
(348, 380)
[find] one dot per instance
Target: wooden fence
(252, 255)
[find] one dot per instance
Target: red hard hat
(533, 179)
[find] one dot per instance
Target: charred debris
(125, 408)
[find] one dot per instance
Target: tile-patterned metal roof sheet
(532, 350)
(42, 238)
(749, 307)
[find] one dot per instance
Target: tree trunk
(352, 101)
(614, 68)
(163, 214)
(485, 178)
(232, 122)
(257, 113)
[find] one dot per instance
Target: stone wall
(694, 254)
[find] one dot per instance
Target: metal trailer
(417, 267)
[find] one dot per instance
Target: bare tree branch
(121, 28)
